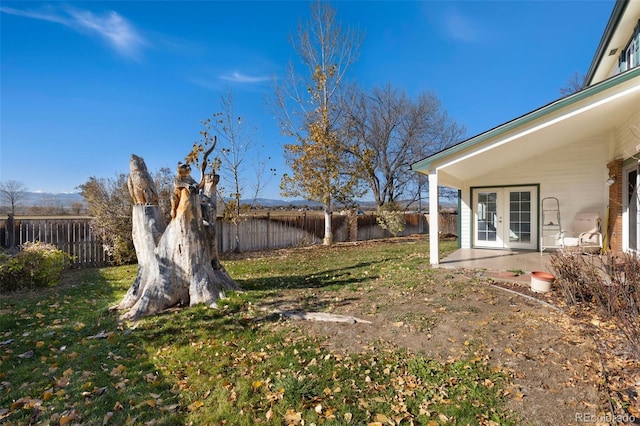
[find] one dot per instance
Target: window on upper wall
(630, 56)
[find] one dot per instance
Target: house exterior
(583, 150)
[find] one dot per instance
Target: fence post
(268, 229)
(11, 231)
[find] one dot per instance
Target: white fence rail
(72, 235)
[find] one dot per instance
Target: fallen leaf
(27, 354)
(17, 404)
(195, 405)
(107, 417)
(102, 335)
(118, 370)
(381, 418)
(66, 419)
(291, 417)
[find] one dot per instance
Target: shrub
(610, 282)
(391, 217)
(35, 265)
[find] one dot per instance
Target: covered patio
(562, 150)
(498, 262)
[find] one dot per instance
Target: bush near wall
(34, 265)
(609, 282)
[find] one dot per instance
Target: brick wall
(615, 206)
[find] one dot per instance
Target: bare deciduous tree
(13, 192)
(236, 154)
(573, 84)
(163, 180)
(308, 107)
(77, 208)
(109, 204)
(389, 131)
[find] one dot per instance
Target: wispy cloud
(237, 77)
(461, 27)
(111, 27)
(215, 81)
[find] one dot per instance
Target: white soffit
(587, 119)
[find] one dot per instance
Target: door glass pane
(487, 209)
(520, 216)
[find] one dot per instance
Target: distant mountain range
(62, 199)
(67, 200)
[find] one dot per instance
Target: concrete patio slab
(497, 260)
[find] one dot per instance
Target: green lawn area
(65, 359)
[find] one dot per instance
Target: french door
(631, 235)
(506, 217)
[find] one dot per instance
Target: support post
(434, 219)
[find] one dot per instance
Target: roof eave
(425, 165)
(601, 51)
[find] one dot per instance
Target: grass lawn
(65, 359)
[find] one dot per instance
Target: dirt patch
(557, 373)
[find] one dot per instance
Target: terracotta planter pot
(541, 281)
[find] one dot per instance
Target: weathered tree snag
(147, 228)
(177, 265)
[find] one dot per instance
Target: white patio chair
(586, 232)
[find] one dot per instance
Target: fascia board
(601, 51)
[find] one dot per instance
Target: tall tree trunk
(177, 265)
(328, 233)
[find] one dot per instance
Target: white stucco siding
(575, 174)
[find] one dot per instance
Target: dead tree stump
(177, 264)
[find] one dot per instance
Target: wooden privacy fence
(263, 232)
(74, 236)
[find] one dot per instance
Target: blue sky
(85, 84)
